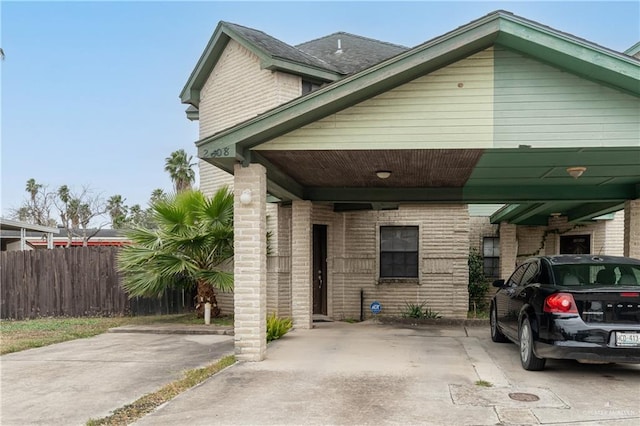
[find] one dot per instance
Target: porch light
(383, 174)
(576, 172)
(245, 197)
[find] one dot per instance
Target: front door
(320, 269)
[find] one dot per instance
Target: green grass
(483, 314)
(148, 403)
(484, 383)
(21, 335)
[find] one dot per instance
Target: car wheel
(528, 359)
(496, 334)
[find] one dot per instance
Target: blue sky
(89, 90)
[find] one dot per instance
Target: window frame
(495, 267)
(383, 279)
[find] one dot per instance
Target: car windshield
(597, 274)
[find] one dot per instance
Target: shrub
(277, 327)
(478, 286)
(428, 313)
(413, 311)
(418, 311)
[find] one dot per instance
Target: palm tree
(32, 188)
(190, 246)
(117, 211)
(157, 194)
(178, 164)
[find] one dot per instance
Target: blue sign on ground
(376, 307)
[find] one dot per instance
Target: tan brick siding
(250, 264)
(480, 227)
(237, 90)
(632, 228)
(545, 240)
(614, 231)
(353, 260)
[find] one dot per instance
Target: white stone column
(301, 264)
(508, 249)
(250, 263)
(632, 228)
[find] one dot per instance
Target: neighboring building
(14, 235)
(34, 238)
(363, 160)
(99, 238)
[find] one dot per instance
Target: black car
(581, 307)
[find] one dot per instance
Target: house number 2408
(220, 152)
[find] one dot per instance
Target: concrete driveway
(359, 374)
(337, 373)
(69, 383)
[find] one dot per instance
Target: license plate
(627, 339)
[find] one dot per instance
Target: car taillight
(560, 303)
(630, 294)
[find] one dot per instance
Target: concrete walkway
(69, 383)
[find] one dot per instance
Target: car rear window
(597, 274)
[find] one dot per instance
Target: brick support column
(250, 263)
(508, 249)
(301, 264)
(632, 228)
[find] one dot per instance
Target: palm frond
(221, 280)
(194, 236)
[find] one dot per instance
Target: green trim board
(633, 50)
(539, 213)
(501, 28)
(190, 94)
(533, 178)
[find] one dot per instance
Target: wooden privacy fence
(75, 281)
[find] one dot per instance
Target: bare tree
(77, 210)
(37, 208)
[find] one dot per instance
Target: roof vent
(339, 47)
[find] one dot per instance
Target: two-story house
(360, 166)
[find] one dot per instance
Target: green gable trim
(574, 55)
(558, 49)
(354, 89)
(223, 33)
(278, 64)
(633, 50)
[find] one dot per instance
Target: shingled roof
(350, 53)
(277, 48)
(325, 59)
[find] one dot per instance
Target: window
(491, 255)
(398, 252)
(308, 87)
(575, 244)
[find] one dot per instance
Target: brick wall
(237, 90)
(614, 235)
(250, 264)
(353, 260)
(632, 228)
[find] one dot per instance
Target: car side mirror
(498, 283)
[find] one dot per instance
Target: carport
(502, 110)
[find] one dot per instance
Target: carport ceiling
(534, 181)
